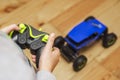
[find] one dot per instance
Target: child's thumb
(50, 42)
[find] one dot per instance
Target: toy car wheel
(89, 18)
(59, 42)
(109, 40)
(67, 53)
(79, 63)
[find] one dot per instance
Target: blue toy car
(81, 36)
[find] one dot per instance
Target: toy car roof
(85, 29)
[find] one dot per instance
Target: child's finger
(33, 57)
(34, 60)
(10, 28)
(50, 42)
(56, 51)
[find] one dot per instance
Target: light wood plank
(112, 63)
(94, 71)
(55, 8)
(25, 14)
(73, 16)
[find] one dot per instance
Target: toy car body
(82, 35)
(85, 33)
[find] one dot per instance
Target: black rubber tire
(79, 63)
(67, 53)
(59, 42)
(109, 40)
(89, 18)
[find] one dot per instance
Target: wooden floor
(60, 16)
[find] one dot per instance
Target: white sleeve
(45, 75)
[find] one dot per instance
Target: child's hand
(10, 28)
(49, 56)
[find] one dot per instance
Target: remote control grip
(38, 54)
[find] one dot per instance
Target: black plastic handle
(38, 54)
